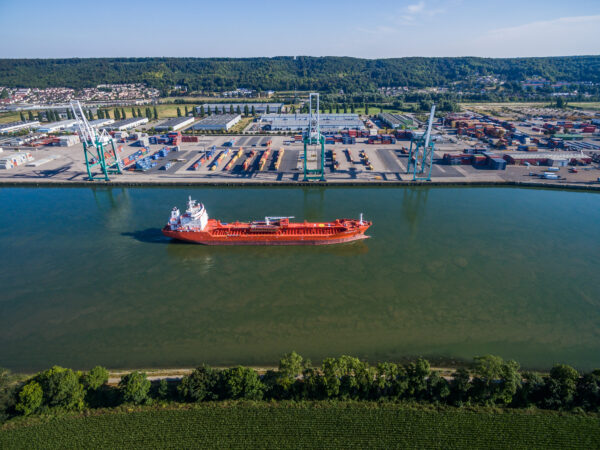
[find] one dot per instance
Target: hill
(325, 74)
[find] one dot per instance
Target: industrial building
(101, 122)
(11, 127)
(396, 121)
(546, 158)
(127, 123)
(328, 123)
(259, 108)
(174, 124)
(218, 122)
(56, 126)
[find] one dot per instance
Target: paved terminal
(389, 163)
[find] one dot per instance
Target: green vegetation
(490, 381)
(325, 74)
(345, 401)
(307, 425)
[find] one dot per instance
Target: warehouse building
(396, 121)
(259, 108)
(218, 122)
(127, 124)
(56, 126)
(101, 122)
(547, 158)
(329, 123)
(174, 124)
(11, 127)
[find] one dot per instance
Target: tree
(253, 112)
(163, 389)
(366, 109)
(178, 112)
(238, 110)
(107, 114)
(117, 114)
(21, 115)
(230, 109)
(186, 111)
(459, 386)
(438, 388)
(201, 110)
(223, 110)
(561, 103)
(95, 378)
(240, 382)
(30, 398)
(139, 113)
(100, 114)
(134, 387)
(209, 110)
(588, 391)
(155, 113)
(313, 384)
(148, 113)
(417, 373)
(30, 115)
(345, 108)
(560, 387)
(337, 108)
(495, 381)
(200, 385)
(268, 109)
(123, 115)
(61, 388)
(133, 113)
(246, 110)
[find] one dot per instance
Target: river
(449, 273)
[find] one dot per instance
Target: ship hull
(201, 238)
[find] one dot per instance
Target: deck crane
(98, 148)
(420, 159)
(313, 139)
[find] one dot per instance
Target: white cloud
(416, 8)
(560, 36)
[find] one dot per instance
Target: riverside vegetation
(489, 381)
(344, 403)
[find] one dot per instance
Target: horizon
(385, 30)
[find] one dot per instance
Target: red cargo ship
(195, 226)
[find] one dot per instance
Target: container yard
(469, 147)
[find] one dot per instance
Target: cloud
(560, 36)
(411, 13)
(416, 8)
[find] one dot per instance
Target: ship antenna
(361, 218)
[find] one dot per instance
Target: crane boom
(429, 124)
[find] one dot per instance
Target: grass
(306, 425)
(10, 117)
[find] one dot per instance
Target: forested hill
(326, 74)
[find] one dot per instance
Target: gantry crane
(98, 148)
(314, 143)
(420, 159)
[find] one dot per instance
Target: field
(310, 425)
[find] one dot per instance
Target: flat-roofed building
(259, 108)
(11, 127)
(328, 123)
(174, 124)
(217, 122)
(127, 123)
(56, 126)
(396, 121)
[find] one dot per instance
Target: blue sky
(377, 29)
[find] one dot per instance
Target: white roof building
(56, 126)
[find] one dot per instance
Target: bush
(30, 398)
(134, 387)
(61, 388)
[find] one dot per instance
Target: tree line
(324, 74)
(489, 381)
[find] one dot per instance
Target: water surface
(88, 279)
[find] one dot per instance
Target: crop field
(311, 425)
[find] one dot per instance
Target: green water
(87, 278)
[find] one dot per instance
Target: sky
(234, 28)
